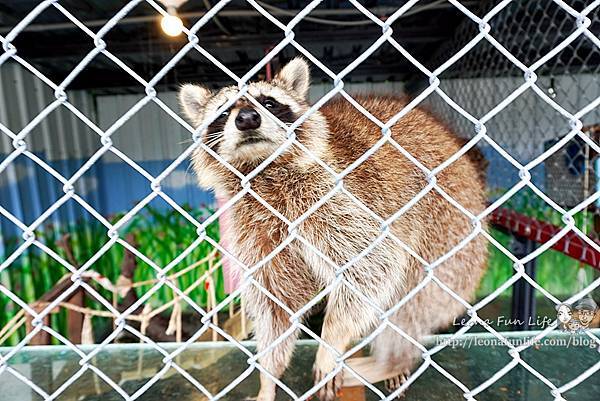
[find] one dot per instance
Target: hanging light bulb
(171, 24)
(552, 89)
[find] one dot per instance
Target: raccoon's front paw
(324, 365)
(330, 390)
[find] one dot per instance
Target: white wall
(61, 135)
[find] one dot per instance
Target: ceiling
(238, 37)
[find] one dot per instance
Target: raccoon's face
(244, 133)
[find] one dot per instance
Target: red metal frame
(570, 244)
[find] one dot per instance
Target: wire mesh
(522, 73)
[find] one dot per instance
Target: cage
(119, 278)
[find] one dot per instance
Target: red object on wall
(541, 232)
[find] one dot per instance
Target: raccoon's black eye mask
(282, 111)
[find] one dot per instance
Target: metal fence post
(523, 296)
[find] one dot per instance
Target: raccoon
(335, 225)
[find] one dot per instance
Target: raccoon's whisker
(215, 140)
(214, 134)
(212, 139)
(207, 136)
(206, 140)
(212, 143)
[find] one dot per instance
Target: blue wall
(109, 187)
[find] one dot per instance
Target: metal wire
(529, 71)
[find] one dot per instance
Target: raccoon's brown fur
(342, 228)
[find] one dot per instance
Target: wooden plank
(357, 391)
(368, 368)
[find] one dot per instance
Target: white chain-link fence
(569, 124)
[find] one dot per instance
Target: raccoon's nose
(247, 119)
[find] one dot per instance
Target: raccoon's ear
(295, 75)
(193, 98)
